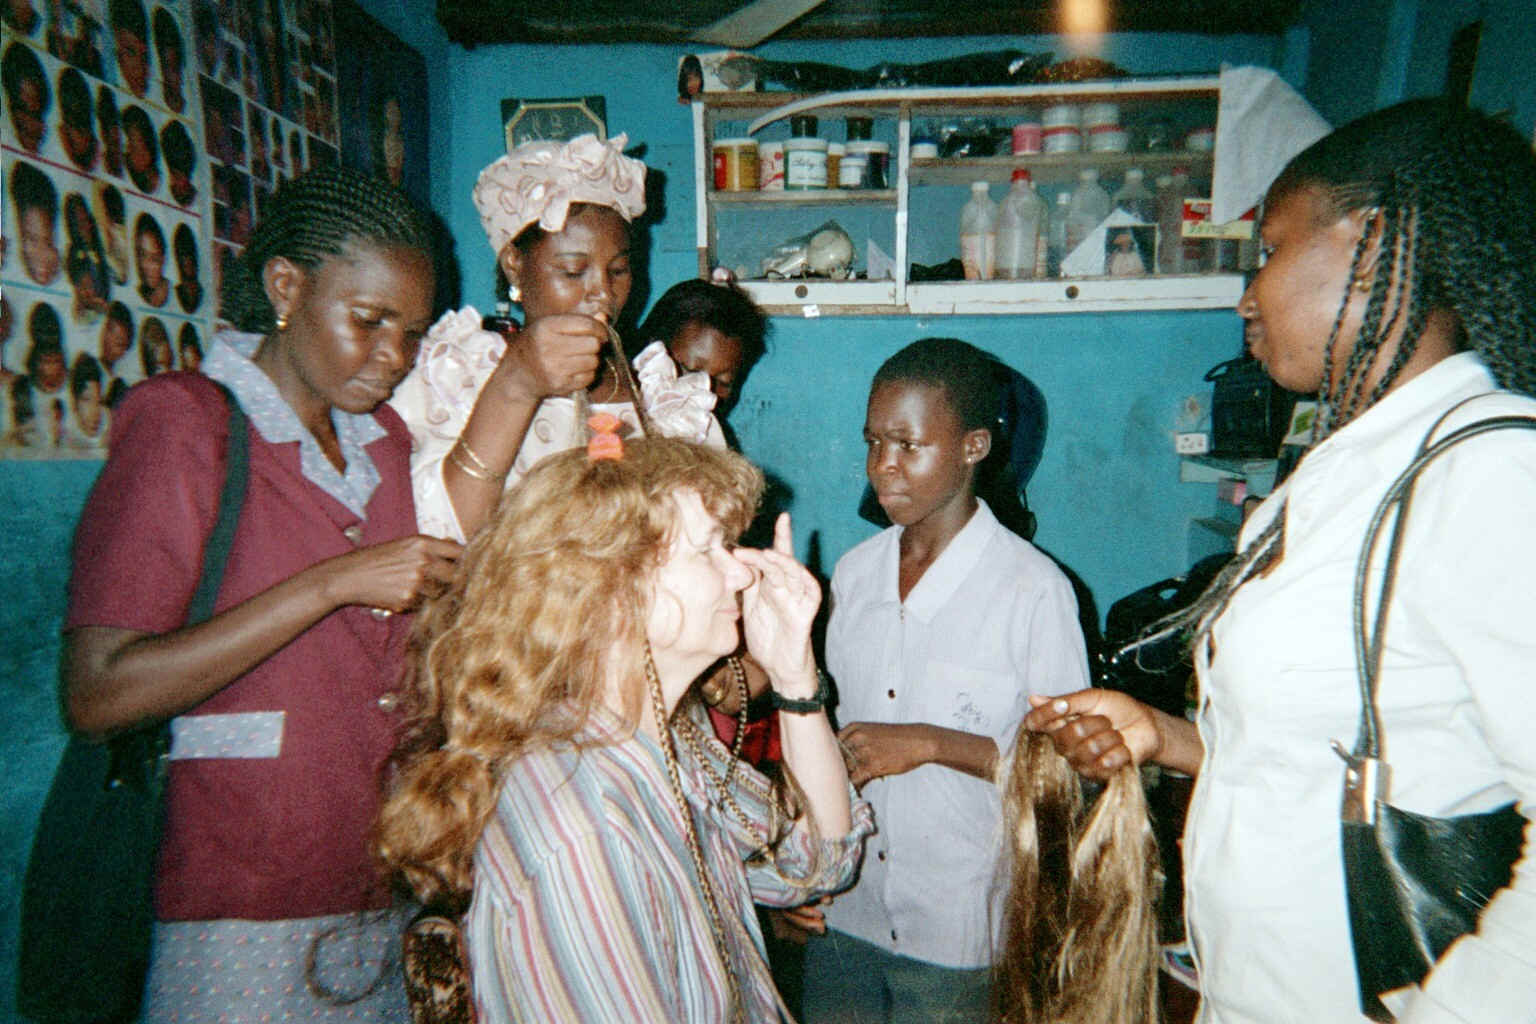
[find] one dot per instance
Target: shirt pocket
(970, 699)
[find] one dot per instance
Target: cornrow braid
(313, 218)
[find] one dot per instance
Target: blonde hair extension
(1080, 935)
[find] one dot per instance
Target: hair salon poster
(139, 142)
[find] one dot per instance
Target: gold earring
(1362, 284)
(282, 322)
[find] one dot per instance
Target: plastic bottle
(1135, 198)
(501, 322)
(1087, 210)
(1019, 218)
(978, 234)
(1173, 252)
(1056, 234)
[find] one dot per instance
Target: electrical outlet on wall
(1191, 442)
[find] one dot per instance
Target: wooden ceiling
(475, 22)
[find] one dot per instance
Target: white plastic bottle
(978, 234)
(1056, 233)
(1019, 218)
(1087, 210)
(1135, 198)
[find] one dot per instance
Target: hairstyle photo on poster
(107, 214)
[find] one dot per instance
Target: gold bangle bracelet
(479, 470)
(469, 452)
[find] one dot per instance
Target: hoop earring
(281, 323)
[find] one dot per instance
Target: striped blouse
(586, 903)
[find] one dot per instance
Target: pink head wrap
(539, 181)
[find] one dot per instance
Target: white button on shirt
(1264, 873)
(991, 621)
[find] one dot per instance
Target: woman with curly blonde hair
(610, 869)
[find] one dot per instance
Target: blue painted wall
(1107, 491)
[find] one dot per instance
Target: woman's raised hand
(552, 355)
(778, 608)
(396, 576)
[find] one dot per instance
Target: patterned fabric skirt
(344, 967)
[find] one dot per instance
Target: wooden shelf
(1178, 102)
(805, 197)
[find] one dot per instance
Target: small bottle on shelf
(1056, 234)
(1018, 228)
(1086, 211)
(1135, 198)
(978, 234)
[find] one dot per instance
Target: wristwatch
(804, 707)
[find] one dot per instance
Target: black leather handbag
(87, 908)
(1414, 883)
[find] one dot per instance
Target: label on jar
(770, 166)
(805, 166)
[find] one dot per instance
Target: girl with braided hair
(561, 768)
(1399, 283)
(280, 704)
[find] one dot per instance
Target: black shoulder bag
(1414, 884)
(87, 910)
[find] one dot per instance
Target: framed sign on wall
(559, 119)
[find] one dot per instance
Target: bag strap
(1366, 779)
(237, 467)
(141, 751)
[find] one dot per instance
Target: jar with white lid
(877, 160)
(805, 163)
(770, 166)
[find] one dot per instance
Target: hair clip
(605, 442)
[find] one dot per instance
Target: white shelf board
(1076, 295)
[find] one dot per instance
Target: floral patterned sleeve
(435, 400)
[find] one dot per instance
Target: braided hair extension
(310, 219)
(691, 837)
(1443, 189)
(1080, 935)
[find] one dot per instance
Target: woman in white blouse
(1399, 284)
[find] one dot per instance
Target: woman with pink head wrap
(483, 408)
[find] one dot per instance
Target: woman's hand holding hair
(1102, 731)
(551, 355)
(118, 678)
(396, 576)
